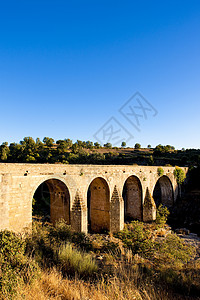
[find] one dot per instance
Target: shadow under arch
(52, 201)
(98, 205)
(163, 192)
(132, 195)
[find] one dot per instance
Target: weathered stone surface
(133, 198)
(149, 207)
(99, 202)
(117, 211)
(18, 183)
(79, 214)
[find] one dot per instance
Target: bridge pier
(114, 192)
(116, 211)
(79, 215)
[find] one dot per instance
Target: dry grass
(76, 261)
(52, 286)
(124, 271)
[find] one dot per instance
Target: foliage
(160, 171)
(65, 151)
(151, 161)
(74, 261)
(138, 259)
(162, 214)
(60, 232)
(97, 145)
(123, 144)
(108, 145)
(136, 238)
(4, 151)
(16, 267)
(10, 244)
(137, 146)
(179, 174)
(45, 241)
(160, 149)
(173, 251)
(49, 142)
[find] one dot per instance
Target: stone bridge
(98, 197)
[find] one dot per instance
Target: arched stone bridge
(100, 197)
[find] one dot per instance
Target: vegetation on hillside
(143, 261)
(86, 152)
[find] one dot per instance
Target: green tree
(151, 161)
(49, 142)
(38, 142)
(69, 143)
(15, 153)
(169, 148)
(123, 144)
(137, 146)
(180, 176)
(97, 145)
(108, 145)
(89, 145)
(75, 148)
(4, 151)
(81, 144)
(29, 150)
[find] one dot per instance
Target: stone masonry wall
(18, 183)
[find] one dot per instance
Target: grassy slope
(144, 261)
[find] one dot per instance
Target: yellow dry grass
(51, 286)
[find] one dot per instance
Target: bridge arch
(98, 205)
(163, 192)
(52, 194)
(132, 195)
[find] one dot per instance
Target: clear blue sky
(67, 67)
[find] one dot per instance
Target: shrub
(81, 240)
(137, 238)
(16, 268)
(61, 231)
(76, 262)
(160, 171)
(10, 244)
(179, 174)
(40, 246)
(172, 252)
(162, 214)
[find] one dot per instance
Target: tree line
(86, 152)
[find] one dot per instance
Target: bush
(10, 244)
(40, 246)
(61, 232)
(160, 171)
(16, 268)
(179, 174)
(162, 214)
(174, 251)
(76, 262)
(136, 238)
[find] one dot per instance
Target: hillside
(80, 152)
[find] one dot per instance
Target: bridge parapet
(18, 183)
